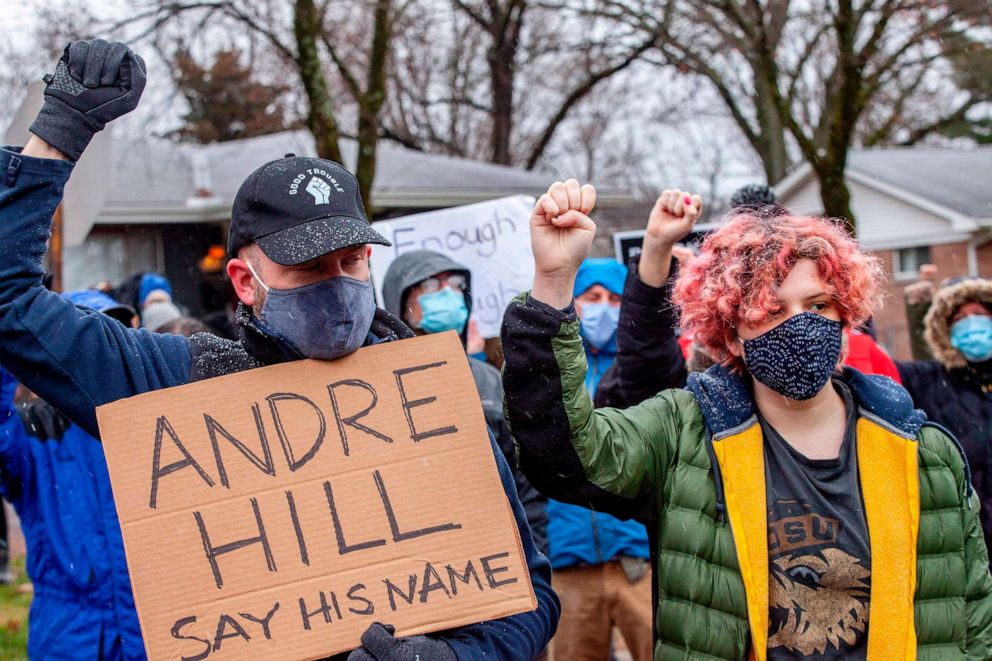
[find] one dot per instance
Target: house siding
(891, 325)
(984, 255)
(883, 221)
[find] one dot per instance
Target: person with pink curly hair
(796, 508)
(736, 279)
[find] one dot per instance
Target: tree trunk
(840, 117)
(836, 196)
(370, 105)
(771, 140)
(320, 110)
(368, 143)
(501, 63)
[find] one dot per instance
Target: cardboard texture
(277, 512)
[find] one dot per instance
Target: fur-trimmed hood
(938, 319)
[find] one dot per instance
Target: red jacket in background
(864, 355)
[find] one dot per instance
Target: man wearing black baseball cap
(299, 247)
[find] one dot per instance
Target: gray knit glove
(379, 644)
(94, 82)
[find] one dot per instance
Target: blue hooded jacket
(611, 274)
(150, 282)
(56, 477)
(576, 535)
(79, 359)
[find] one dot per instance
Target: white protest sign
(491, 239)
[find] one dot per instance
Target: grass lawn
(14, 602)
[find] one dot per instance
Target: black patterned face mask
(797, 357)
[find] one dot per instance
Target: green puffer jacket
(690, 465)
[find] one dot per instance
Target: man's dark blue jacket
(78, 359)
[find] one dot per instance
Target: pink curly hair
(733, 280)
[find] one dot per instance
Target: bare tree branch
(349, 78)
(241, 16)
(951, 118)
(576, 95)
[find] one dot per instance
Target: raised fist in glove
(94, 82)
(379, 644)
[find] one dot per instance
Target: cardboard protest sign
(492, 239)
(277, 512)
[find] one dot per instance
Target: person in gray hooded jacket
(432, 294)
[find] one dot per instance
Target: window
(907, 262)
(111, 254)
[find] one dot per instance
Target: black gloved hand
(379, 644)
(94, 82)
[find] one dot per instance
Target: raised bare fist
(561, 234)
(673, 216)
(560, 228)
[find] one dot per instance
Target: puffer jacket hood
(726, 402)
(412, 267)
(938, 320)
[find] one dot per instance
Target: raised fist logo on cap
(320, 189)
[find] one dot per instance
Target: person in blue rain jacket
(55, 476)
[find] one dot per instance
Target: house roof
(157, 180)
(956, 178)
(404, 177)
(952, 182)
(150, 171)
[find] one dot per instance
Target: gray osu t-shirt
(819, 581)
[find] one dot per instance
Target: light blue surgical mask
(442, 311)
(598, 324)
(324, 320)
(972, 336)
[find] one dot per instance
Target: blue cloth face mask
(324, 320)
(598, 323)
(442, 311)
(797, 357)
(972, 336)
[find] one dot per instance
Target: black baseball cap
(297, 209)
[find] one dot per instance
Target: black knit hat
(752, 195)
(297, 209)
